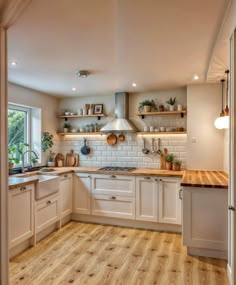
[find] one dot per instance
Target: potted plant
(147, 106)
(51, 158)
(177, 165)
(169, 160)
(171, 102)
(47, 142)
(66, 127)
(161, 108)
(15, 152)
(33, 160)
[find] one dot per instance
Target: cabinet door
(146, 199)
(21, 214)
(113, 206)
(169, 201)
(114, 185)
(82, 189)
(65, 195)
(46, 213)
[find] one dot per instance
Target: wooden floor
(95, 254)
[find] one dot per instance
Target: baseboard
(222, 254)
(127, 223)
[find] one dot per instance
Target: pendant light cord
(222, 81)
(227, 86)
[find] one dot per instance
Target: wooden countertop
(14, 182)
(205, 179)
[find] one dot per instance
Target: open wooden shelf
(161, 133)
(80, 133)
(81, 116)
(143, 114)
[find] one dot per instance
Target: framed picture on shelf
(98, 109)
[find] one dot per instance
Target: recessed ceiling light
(134, 84)
(196, 77)
(73, 89)
(13, 63)
(82, 73)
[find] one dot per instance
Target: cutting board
(162, 158)
(72, 159)
(60, 158)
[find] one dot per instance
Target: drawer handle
(147, 178)
(23, 188)
(49, 202)
(157, 180)
(112, 198)
(160, 179)
(180, 194)
(65, 176)
(113, 176)
(89, 176)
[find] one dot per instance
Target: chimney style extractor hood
(121, 122)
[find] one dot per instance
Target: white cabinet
(65, 195)
(114, 184)
(146, 199)
(113, 206)
(169, 202)
(21, 214)
(47, 212)
(205, 221)
(82, 190)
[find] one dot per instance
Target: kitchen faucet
(23, 159)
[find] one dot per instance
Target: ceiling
(156, 44)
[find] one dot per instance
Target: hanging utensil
(145, 150)
(112, 139)
(121, 137)
(153, 150)
(85, 150)
(159, 146)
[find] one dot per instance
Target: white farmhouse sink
(46, 185)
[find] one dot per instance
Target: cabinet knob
(65, 176)
(23, 188)
(156, 179)
(49, 202)
(147, 178)
(180, 194)
(89, 176)
(231, 208)
(160, 179)
(113, 176)
(112, 198)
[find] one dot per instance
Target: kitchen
(113, 197)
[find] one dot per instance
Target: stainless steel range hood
(121, 122)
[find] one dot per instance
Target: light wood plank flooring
(95, 254)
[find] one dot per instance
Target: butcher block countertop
(205, 179)
(14, 182)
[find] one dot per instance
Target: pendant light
(222, 121)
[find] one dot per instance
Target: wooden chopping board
(162, 158)
(59, 157)
(72, 159)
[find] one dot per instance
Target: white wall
(129, 152)
(48, 104)
(226, 151)
(204, 106)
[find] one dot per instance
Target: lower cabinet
(21, 214)
(146, 199)
(170, 206)
(65, 195)
(82, 194)
(113, 206)
(47, 212)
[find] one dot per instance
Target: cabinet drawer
(113, 206)
(114, 185)
(46, 213)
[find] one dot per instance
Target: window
(24, 127)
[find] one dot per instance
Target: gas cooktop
(117, 168)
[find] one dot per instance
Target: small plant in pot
(147, 106)
(161, 108)
(47, 143)
(33, 160)
(169, 161)
(66, 127)
(171, 102)
(51, 158)
(15, 152)
(177, 165)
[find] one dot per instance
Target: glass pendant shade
(222, 122)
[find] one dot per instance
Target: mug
(179, 107)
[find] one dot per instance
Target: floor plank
(92, 254)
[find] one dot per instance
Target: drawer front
(113, 206)
(46, 213)
(114, 185)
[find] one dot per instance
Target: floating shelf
(80, 133)
(66, 117)
(143, 114)
(161, 133)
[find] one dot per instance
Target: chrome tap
(23, 159)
